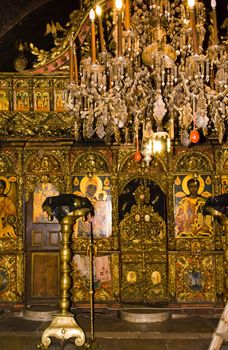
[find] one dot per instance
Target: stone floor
(184, 330)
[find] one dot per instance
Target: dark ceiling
(25, 21)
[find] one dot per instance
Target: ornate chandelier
(161, 73)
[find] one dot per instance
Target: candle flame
(213, 4)
(98, 10)
(118, 4)
(191, 3)
(92, 15)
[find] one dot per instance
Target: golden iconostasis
(152, 242)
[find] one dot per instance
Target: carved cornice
(193, 161)
(32, 125)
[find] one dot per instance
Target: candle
(191, 4)
(127, 15)
(119, 40)
(92, 17)
(75, 65)
(101, 31)
(71, 62)
(214, 19)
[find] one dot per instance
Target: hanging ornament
(137, 156)
(194, 136)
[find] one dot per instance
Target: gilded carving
(221, 160)
(156, 278)
(143, 281)
(5, 83)
(171, 275)
(48, 125)
(20, 276)
(183, 244)
(11, 277)
(155, 288)
(115, 271)
(142, 225)
(129, 165)
(195, 278)
(131, 277)
(91, 162)
(170, 214)
(45, 163)
(22, 83)
(193, 162)
(142, 230)
(142, 267)
(219, 274)
(8, 161)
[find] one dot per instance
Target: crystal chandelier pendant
(157, 64)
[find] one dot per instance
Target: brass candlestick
(67, 209)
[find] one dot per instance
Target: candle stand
(67, 209)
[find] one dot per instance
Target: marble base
(144, 315)
(40, 313)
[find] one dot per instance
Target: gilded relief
(8, 211)
(191, 193)
(41, 163)
(131, 277)
(102, 281)
(10, 279)
(156, 278)
(4, 279)
(143, 242)
(97, 190)
(195, 279)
